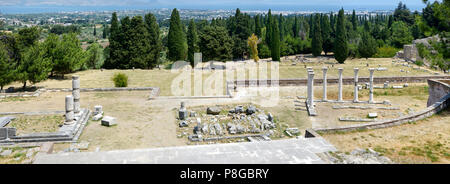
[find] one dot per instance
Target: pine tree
(240, 33)
(367, 47)
(275, 41)
(176, 41)
(316, 43)
(34, 67)
(215, 44)
(340, 43)
(6, 67)
(155, 43)
(192, 39)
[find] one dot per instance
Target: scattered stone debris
(213, 110)
(373, 115)
(80, 146)
(358, 156)
(98, 109)
(251, 110)
(184, 123)
(6, 120)
(354, 119)
(182, 113)
(6, 153)
(292, 131)
(108, 121)
(97, 117)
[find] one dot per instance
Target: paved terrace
(288, 151)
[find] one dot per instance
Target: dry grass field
(424, 141)
(163, 78)
(144, 123)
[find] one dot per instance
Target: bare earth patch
(425, 141)
(36, 123)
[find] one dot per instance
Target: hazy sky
(13, 6)
(201, 2)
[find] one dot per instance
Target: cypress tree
(176, 40)
(192, 40)
(114, 43)
(125, 42)
(269, 29)
(354, 23)
(105, 32)
(326, 34)
(95, 30)
(275, 41)
(295, 28)
(155, 43)
(139, 44)
(340, 43)
(367, 47)
(257, 26)
(316, 43)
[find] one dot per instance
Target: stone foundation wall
(437, 106)
(345, 81)
(437, 89)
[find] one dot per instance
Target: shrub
(353, 51)
(386, 52)
(120, 80)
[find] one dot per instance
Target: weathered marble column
(371, 70)
(325, 69)
(355, 95)
(76, 93)
(311, 88)
(308, 89)
(340, 85)
(69, 110)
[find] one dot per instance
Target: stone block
(109, 121)
(251, 110)
(46, 147)
(213, 110)
(373, 115)
(182, 114)
(97, 117)
(7, 133)
(6, 153)
(98, 109)
(183, 124)
(6, 120)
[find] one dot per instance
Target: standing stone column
(311, 88)
(371, 70)
(76, 93)
(355, 95)
(340, 85)
(325, 69)
(69, 110)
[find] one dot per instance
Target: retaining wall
(345, 81)
(437, 106)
